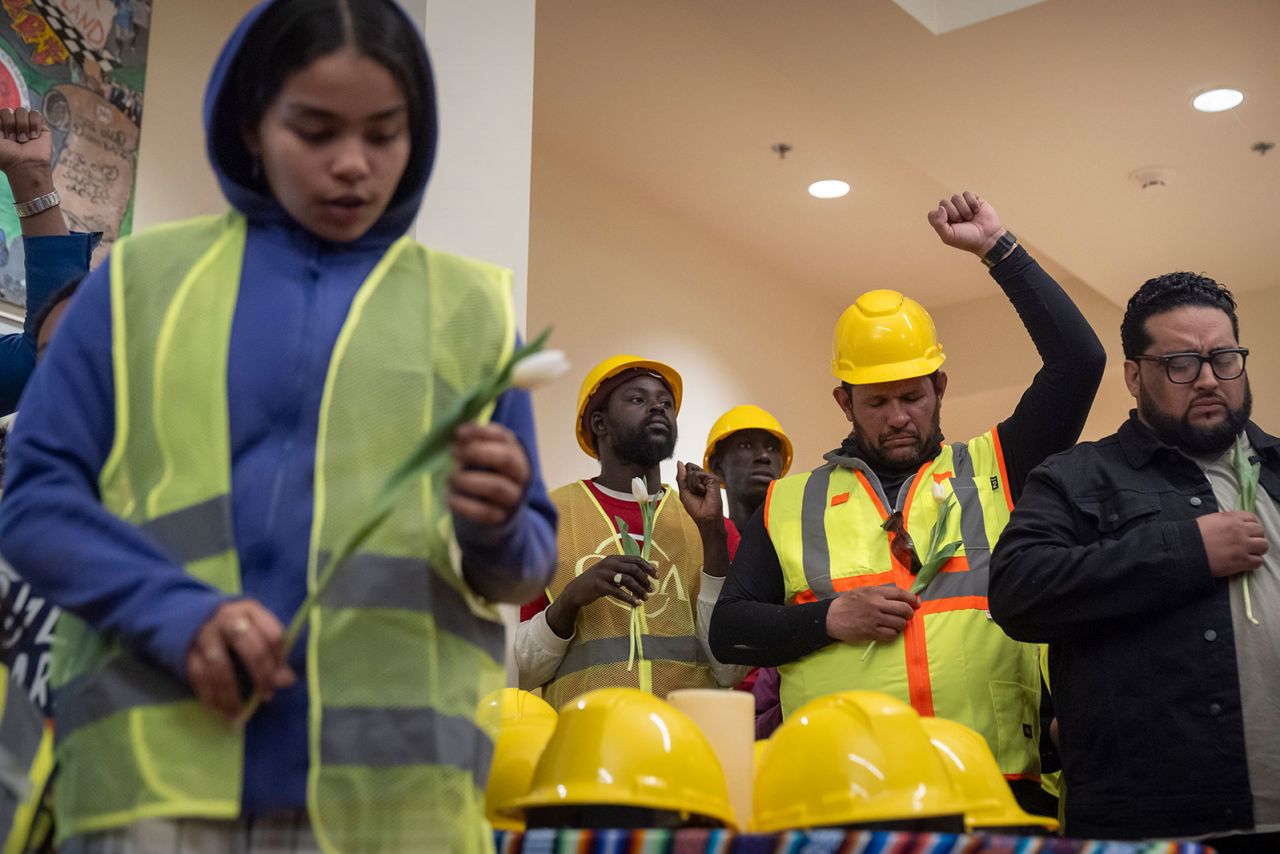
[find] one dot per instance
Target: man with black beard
(821, 583)
(612, 620)
(1149, 565)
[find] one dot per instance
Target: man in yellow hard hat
(748, 450)
(613, 620)
(822, 583)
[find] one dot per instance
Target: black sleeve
(1053, 409)
(750, 624)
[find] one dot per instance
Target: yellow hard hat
(747, 417)
(989, 802)
(885, 336)
(604, 372)
(523, 724)
(624, 747)
(852, 758)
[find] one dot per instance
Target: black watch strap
(1003, 247)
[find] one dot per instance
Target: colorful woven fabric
(812, 842)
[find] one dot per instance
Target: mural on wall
(82, 63)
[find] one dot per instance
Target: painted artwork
(82, 63)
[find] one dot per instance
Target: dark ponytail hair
(291, 34)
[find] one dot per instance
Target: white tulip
(639, 490)
(939, 492)
(539, 369)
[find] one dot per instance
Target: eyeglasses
(1183, 368)
(900, 544)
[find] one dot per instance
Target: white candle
(727, 718)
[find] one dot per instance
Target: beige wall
(614, 272)
(174, 178)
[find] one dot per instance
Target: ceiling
(1045, 111)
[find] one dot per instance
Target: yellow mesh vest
(400, 651)
(952, 660)
(597, 657)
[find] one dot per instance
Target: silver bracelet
(39, 204)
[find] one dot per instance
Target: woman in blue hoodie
(223, 400)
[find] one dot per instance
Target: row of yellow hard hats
(864, 758)
(746, 417)
(884, 336)
(854, 758)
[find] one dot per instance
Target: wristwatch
(1003, 247)
(39, 204)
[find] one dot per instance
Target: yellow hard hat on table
(598, 377)
(848, 759)
(624, 747)
(883, 337)
(747, 417)
(989, 802)
(523, 724)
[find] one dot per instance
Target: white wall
(477, 204)
(174, 177)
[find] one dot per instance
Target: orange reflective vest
(952, 661)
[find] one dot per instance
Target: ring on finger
(617, 578)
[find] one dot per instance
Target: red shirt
(628, 510)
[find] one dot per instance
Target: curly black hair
(1165, 293)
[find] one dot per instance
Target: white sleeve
(538, 651)
(726, 675)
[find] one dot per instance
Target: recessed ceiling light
(1217, 100)
(828, 189)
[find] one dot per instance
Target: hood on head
(232, 163)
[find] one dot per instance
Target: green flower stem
(638, 625)
(935, 558)
(428, 458)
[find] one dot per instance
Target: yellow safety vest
(26, 761)
(597, 657)
(399, 652)
(952, 661)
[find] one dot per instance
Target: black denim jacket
(1103, 560)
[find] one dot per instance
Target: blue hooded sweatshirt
(295, 292)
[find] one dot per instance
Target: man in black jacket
(1142, 560)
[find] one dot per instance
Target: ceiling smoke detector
(1151, 178)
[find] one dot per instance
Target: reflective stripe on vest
(22, 729)
(598, 654)
(951, 583)
(390, 738)
(399, 652)
(410, 584)
(617, 650)
(194, 533)
(951, 660)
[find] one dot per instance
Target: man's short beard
(1201, 441)
(640, 448)
(925, 450)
